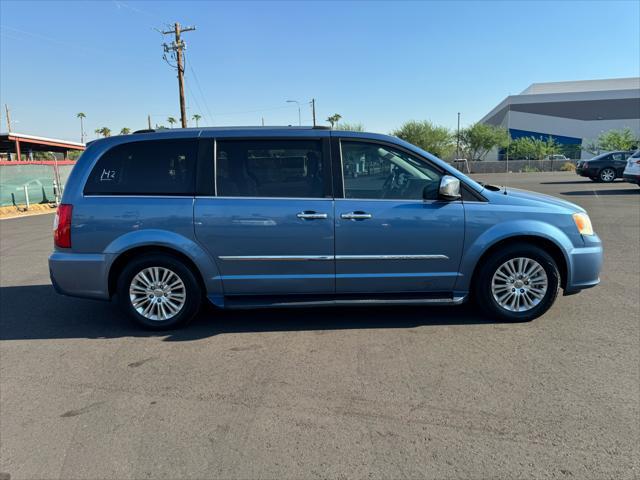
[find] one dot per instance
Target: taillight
(62, 226)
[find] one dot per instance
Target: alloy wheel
(519, 284)
(157, 293)
(607, 175)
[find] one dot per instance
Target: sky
(373, 62)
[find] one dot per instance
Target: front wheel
(159, 292)
(607, 175)
(518, 283)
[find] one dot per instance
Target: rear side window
(163, 167)
(270, 168)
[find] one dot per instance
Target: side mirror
(449, 188)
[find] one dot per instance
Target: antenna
(508, 145)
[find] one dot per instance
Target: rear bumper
(585, 265)
(628, 177)
(79, 274)
(586, 172)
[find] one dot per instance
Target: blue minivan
(280, 217)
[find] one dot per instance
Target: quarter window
(270, 168)
(160, 167)
(374, 171)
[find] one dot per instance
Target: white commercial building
(572, 113)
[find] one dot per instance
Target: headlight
(583, 223)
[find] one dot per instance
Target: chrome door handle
(310, 215)
(356, 216)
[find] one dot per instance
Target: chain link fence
(503, 166)
(38, 180)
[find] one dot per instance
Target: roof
(34, 139)
(610, 99)
(583, 86)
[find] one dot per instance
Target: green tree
(81, 116)
(74, 154)
(197, 118)
(334, 119)
(125, 131)
(478, 140)
(613, 140)
(549, 147)
(351, 127)
(105, 131)
(435, 139)
(531, 148)
(172, 121)
(523, 148)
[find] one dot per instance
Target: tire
(532, 307)
(607, 175)
(165, 307)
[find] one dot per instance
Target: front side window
(154, 167)
(374, 171)
(270, 168)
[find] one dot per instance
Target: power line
(194, 97)
(204, 99)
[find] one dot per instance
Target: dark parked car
(605, 167)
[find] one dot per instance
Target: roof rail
(146, 130)
(321, 127)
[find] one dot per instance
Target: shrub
(529, 169)
(568, 167)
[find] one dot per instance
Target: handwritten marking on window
(107, 175)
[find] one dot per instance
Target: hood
(526, 197)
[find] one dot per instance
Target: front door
(270, 225)
(393, 235)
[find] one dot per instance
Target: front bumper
(79, 274)
(585, 264)
(631, 178)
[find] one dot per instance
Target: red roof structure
(19, 145)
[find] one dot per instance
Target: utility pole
(177, 46)
(458, 139)
(313, 110)
(149, 121)
(6, 109)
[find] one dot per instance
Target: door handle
(357, 215)
(311, 215)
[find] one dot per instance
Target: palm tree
(197, 118)
(125, 131)
(333, 119)
(171, 121)
(104, 131)
(81, 116)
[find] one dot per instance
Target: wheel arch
(161, 241)
(553, 249)
(123, 258)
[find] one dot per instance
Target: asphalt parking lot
(337, 393)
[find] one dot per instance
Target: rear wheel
(518, 283)
(607, 175)
(159, 292)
